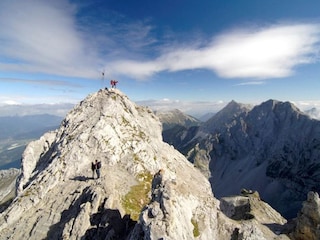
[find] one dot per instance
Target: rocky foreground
(58, 197)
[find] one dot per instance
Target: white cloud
(42, 36)
(307, 104)
(265, 53)
(135, 69)
(11, 102)
(270, 52)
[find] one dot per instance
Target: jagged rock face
(236, 207)
(58, 198)
(250, 206)
(273, 148)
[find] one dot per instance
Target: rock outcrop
(58, 198)
(308, 220)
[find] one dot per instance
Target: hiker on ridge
(98, 166)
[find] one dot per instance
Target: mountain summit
(147, 189)
(225, 116)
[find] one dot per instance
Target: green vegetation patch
(138, 196)
(196, 231)
(125, 121)
(136, 157)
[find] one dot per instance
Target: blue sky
(180, 53)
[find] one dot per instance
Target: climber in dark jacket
(98, 166)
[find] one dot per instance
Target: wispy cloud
(42, 82)
(42, 36)
(251, 83)
(269, 52)
(12, 108)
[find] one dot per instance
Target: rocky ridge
(57, 198)
(273, 148)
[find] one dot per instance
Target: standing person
(98, 166)
(93, 168)
(113, 83)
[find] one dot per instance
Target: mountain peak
(278, 108)
(146, 188)
(225, 116)
(95, 129)
(234, 106)
(273, 104)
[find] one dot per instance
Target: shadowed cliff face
(273, 148)
(58, 198)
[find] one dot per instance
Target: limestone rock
(237, 207)
(58, 198)
(249, 208)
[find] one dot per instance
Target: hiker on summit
(113, 83)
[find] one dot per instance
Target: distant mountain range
(17, 131)
(273, 148)
(170, 119)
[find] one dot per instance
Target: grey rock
(58, 199)
(237, 207)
